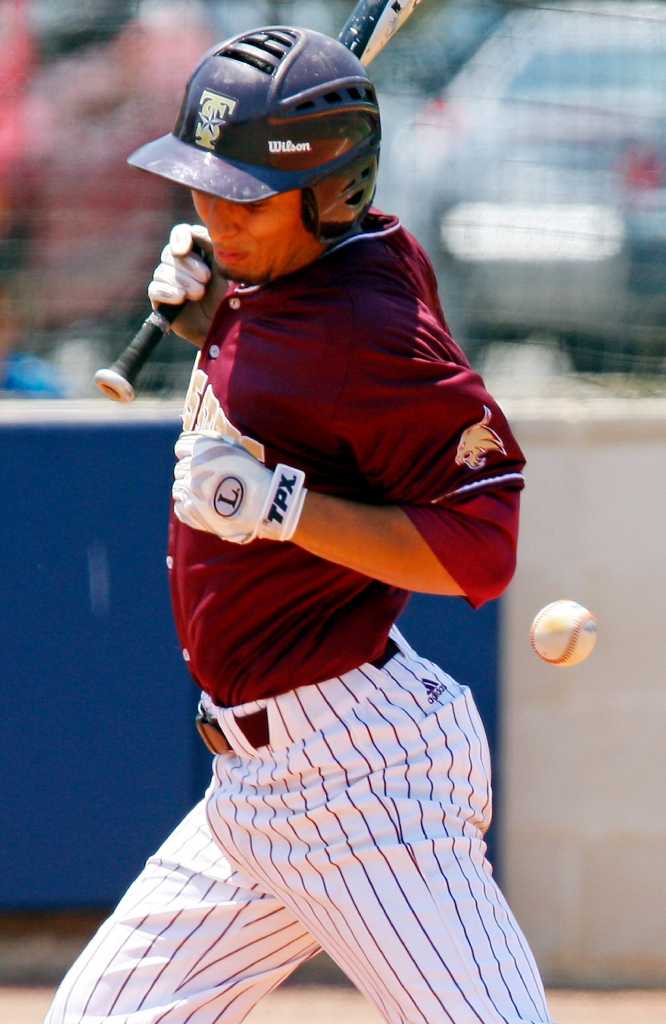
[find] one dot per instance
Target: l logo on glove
(229, 496)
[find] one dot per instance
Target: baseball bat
(366, 32)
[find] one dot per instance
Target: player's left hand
(222, 489)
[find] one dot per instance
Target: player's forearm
(378, 541)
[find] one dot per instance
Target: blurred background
(525, 146)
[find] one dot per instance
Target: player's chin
(241, 274)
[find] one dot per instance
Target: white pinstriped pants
(358, 831)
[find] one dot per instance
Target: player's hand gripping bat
(370, 26)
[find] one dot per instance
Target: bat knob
(114, 386)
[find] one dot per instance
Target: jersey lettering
(203, 411)
(211, 417)
(196, 388)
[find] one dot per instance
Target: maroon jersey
(345, 369)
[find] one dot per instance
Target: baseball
(564, 633)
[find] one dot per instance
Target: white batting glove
(181, 275)
(222, 489)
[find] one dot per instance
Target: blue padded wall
(99, 756)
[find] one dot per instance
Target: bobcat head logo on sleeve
(477, 441)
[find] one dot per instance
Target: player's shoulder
(372, 262)
(353, 282)
(382, 249)
(390, 291)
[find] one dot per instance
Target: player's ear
(310, 211)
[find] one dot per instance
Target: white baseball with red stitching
(564, 633)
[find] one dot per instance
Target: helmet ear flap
(310, 211)
(342, 199)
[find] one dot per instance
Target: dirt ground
(329, 1004)
(36, 950)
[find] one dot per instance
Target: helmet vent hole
(333, 97)
(354, 93)
(264, 51)
(306, 105)
(286, 38)
(246, 56)
(355, 199)
(365, 172)
(267, 45)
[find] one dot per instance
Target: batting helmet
(273, 110)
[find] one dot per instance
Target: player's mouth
(226, 256)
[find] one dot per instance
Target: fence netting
(524, 144)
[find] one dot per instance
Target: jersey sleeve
(427, 435)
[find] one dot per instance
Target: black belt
(255, 726)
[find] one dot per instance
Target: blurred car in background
(538, 184)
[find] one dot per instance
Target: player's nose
(226, 218)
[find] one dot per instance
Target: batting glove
(222, 489)
(182, 276)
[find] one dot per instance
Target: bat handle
(117, 381)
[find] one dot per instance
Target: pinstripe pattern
(359, 831)
(193, 939)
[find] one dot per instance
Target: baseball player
(337, 452)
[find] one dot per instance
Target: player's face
(255, 242)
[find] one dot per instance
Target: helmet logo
(477, 441)
(214, 110)
(287, 146)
